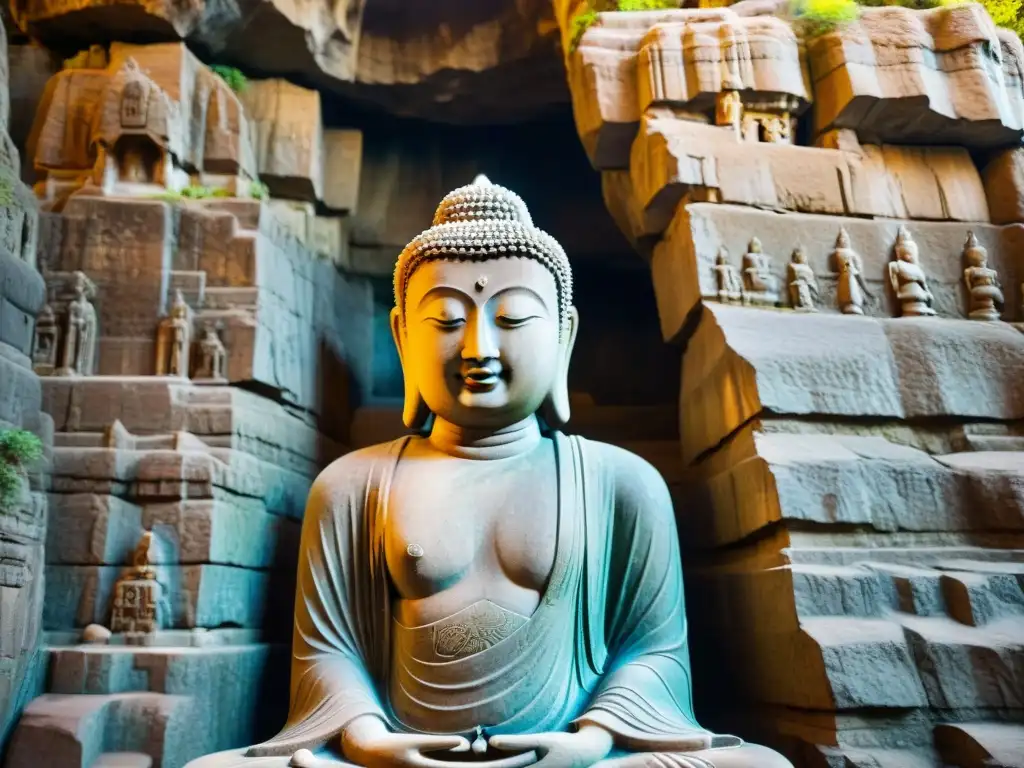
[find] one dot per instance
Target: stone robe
(607, 641)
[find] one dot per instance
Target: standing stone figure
(774, 130)
(762, 287)
(986, 295)
(729, 110)
(850, 288)
(85, 353)
(44, 351)
(74, 328)
(174, 342)
(137, 595)
(803, 285)
(730, 286)
(212, 356)
(529, 599)
(908, 280)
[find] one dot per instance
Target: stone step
(123, 760)
(75, 731)
(95, 529)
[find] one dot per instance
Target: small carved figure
(986, 295)
(774, 129)
(803, 285)
(44, 353)
(85, 352)
(212, 355)
(74, 326)
(137, 594)
(174, 340)
(850, 288)
(761, 285)
(730, 110)
(730, 286)
(908, 279)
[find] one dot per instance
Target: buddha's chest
(472, 528)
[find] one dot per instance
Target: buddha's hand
(580, 749)
(368, 742)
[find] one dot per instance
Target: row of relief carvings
(756, 285)
(65, 341)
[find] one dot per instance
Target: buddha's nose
(480, 341)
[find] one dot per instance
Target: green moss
(647, 5)
(7, 182)
(192, 192)
(816, 17)
(232, 76)
(18, 448)
(586, 16)
(258, 190)
(580, 23)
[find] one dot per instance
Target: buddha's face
(481, 339)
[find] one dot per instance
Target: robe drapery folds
(607, 643)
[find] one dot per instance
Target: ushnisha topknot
(483, 221)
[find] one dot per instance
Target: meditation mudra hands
(368, 742)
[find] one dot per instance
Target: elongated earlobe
(555, 408)
(414, 411)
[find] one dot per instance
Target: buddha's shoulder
(355, 471)
(634, 479)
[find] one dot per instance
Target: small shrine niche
(138, 594)
(756, 121)
(138, 159)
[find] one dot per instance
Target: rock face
(23, 522)
(195, 402)
(491, 62)
(853, 449)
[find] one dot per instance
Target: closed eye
(452, 322)
(514, 322)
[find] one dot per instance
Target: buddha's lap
(745, 756)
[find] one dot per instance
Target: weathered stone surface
(496, 61)
(673, 159)
(845, 480)
(343, 160)
(938, 76)
(683, 262)
(197, 595)
(289, 137)
(1004, 187)
(742, 362)
(148, 700)
(628, 62)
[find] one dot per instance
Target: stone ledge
(197, 595)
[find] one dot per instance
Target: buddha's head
(483, 317)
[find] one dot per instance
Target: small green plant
(18, 448)
(258, 190)
(817, 17)
(192, 192)
(232, 76)
(586, 16)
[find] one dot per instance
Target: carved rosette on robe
(174, 340)
(137, 595)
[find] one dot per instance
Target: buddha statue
(488, 589)
(908, 280)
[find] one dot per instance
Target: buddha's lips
(479, 379)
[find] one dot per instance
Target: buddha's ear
(555, 408)
(414, 412)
